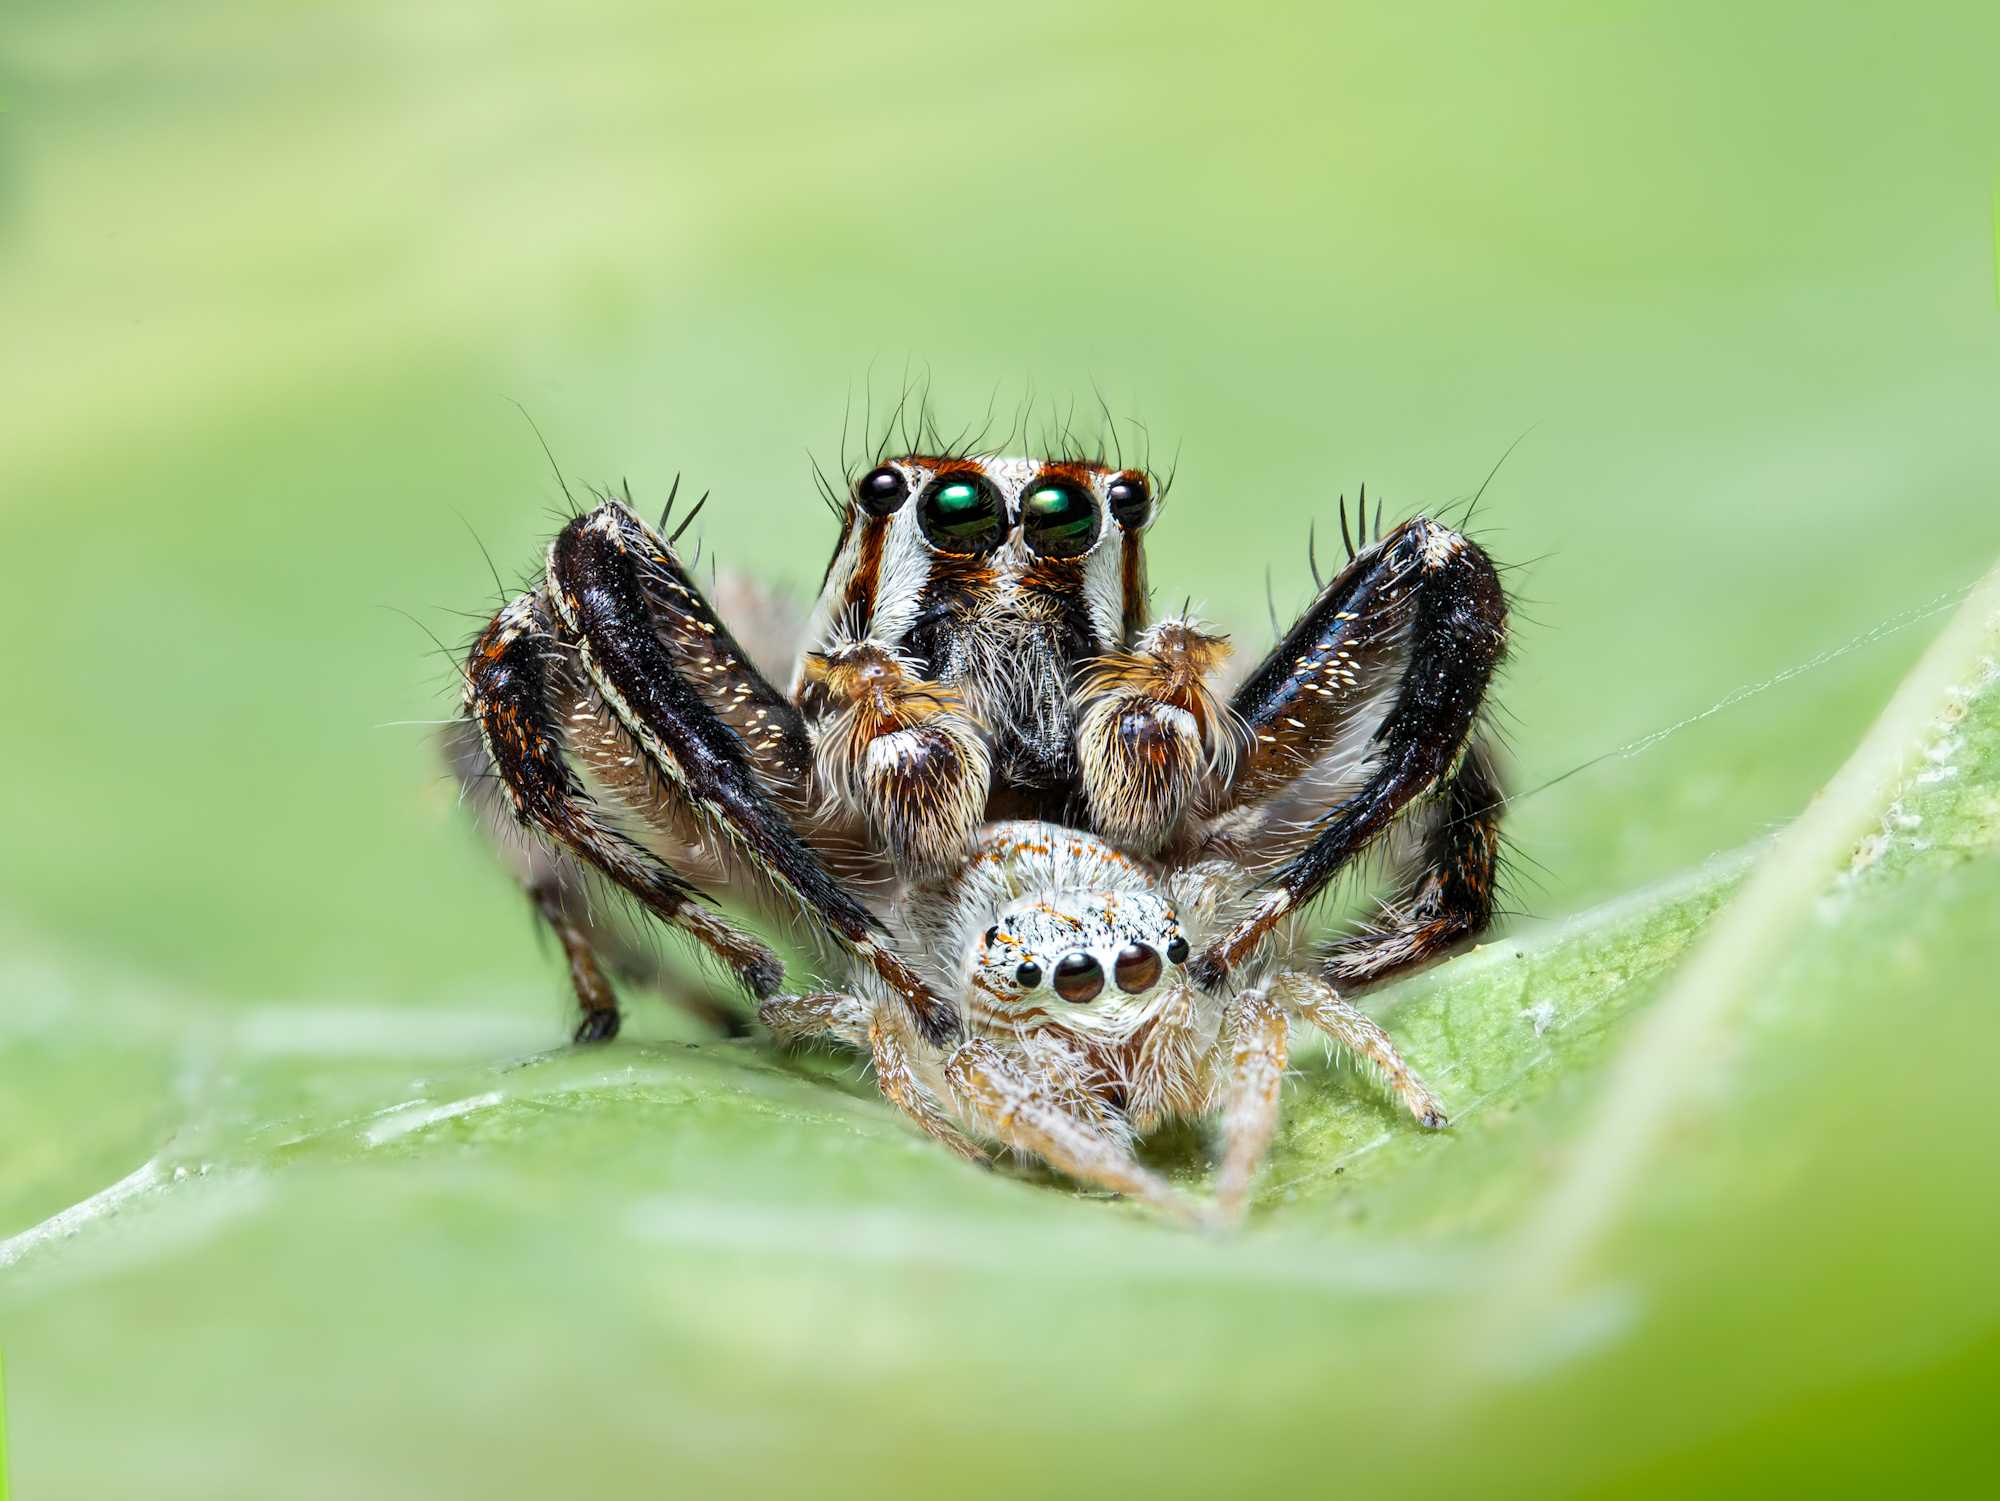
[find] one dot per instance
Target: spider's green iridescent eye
(1058, 517)
(961, 514)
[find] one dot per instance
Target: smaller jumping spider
(1063, 871)
(1069, 961)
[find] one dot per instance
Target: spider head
(999, 576)
(1096, 963)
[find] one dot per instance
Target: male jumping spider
(1060, 878)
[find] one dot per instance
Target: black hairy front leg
(599, 943)
(517, 693)
(594, 995)
(598, 571)
(1447, 894)
(596, 950)
(1425, 596)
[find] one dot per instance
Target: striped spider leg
(1366, 709)
(598, 941)
(618, 662)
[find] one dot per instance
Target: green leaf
(706, 1264)
(268, 276)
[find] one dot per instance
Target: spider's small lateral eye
(881, 492)
(1028, 976)
(1058, 517)
(1131, 501)
(960, 514)
(991, 934)
(1177, 949)
(1137, 968)
(1079, 977)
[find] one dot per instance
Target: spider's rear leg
(1448, 893)
(599, 949)
(597, 946)
(610, 577)
(1151, 735)
(1424, 594)
(519, 696)
(593, 992)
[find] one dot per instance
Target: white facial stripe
(907, 559)
(1104, 586)
(906, 567)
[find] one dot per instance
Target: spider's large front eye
(1137, 968)
(1029, 975)
(961, 514)
(1131, 501)
(1079, 977)
(880, 492)
(1058, 517)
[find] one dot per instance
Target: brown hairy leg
(1258, 1031)
(899, 752)
(1316, 1001)
(1004, 1101)
(804, 1019)
(1152, 737)
(598, 947)
(600, 568)
(517, 680)
(593, 992)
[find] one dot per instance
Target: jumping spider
(1061, 879)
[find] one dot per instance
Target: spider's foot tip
(597, 1026)
(1434, 1119)
(762, 976)
(1222, 1219)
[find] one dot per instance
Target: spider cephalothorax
(964, 599)
(982, 651)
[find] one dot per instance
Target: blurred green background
(271, 279)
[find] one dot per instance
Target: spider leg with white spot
(1424, 600)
